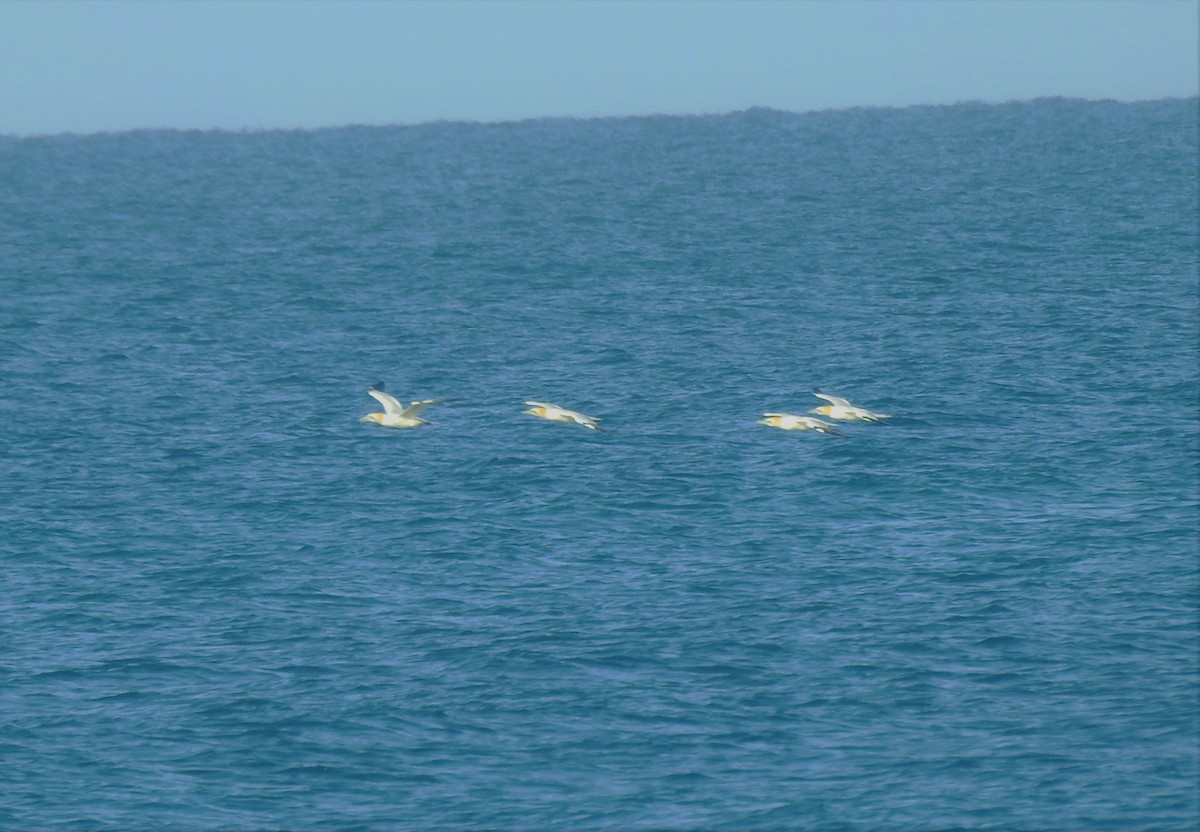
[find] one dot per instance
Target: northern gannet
(396, 415)
(560, 414)
(786, 421)
(839, 408)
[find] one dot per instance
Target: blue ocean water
(228, 604)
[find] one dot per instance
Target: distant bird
(560, 414)
(786, 421)
(839, 408)
(395, 414)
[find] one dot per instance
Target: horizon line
(626, 117)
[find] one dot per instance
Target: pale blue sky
(71, 66)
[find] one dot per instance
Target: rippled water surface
(228, 604)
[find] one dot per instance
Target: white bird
(560, 414)
(786, 421)
(395, 414)
(839, 408)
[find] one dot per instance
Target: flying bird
(786, 421)
(840, 409)
(395, 414)
(554, 413)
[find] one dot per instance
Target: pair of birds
(838, 408)
(397, 415)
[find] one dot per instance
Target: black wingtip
(377, 386)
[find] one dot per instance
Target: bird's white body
(554, 413)
(395, 414)
(787, 421)
(840, 409)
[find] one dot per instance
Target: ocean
(228, 604)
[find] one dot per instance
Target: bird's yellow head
(377, 418)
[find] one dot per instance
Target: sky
(88, 66)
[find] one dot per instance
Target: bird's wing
(834, 400)
(390, 405)
(414, 409)
(542, 404)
